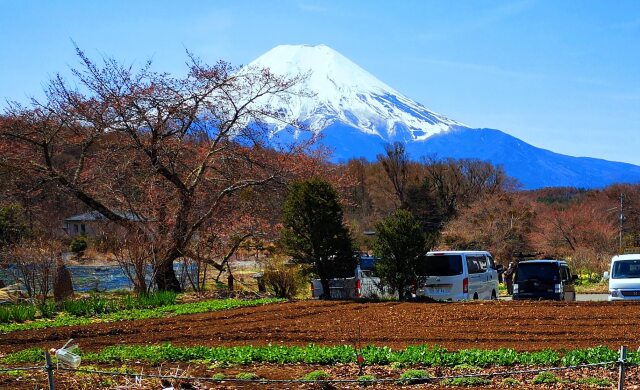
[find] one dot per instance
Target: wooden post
(621, 364)
(49, 368)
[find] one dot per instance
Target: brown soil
(490, 325)
(570, 379)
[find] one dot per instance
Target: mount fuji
(357, 114)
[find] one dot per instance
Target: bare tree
(33, 264)
(138, 145)
(395, 162)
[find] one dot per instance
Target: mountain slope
(345, 93)
(357, 114)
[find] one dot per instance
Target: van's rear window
(547, 272)
(441, 265)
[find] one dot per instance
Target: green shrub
(247, 376)
(510, 382)
(5, 314)
(545, 378)
(218, 377)
(156, 299)
(365, 380)
(316, 376)
(414, 376)
(78, 244)
(47, 309)
(87, 307)
(22, 313)
(466, 381)
(595, 382)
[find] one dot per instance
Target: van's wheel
(493, 295)
(475, 296)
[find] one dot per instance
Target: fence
(50, 369)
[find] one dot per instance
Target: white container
(66, 356)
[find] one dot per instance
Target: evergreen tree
(314, 232)
(400, 249)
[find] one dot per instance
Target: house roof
(98, 216)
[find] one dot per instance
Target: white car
(624, 277)
(459, 276)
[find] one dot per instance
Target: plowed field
(490, 325)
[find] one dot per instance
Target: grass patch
(545, 378)
(366, 380)
(65, 319)
(317, 376)
(511, 382)
(17, 313)
(411, 377)
(467, 381)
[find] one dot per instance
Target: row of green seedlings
(84, 307)
(421, 376)
(424, 355)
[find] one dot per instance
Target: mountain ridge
(357, 114)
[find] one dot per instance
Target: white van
(624, 278)
(459, 276)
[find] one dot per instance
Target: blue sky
(562, 75)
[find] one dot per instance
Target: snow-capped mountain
(357, 114)
(345, 93)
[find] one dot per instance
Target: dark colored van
(544, 279)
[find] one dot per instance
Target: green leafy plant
(511, 382)
(22, 313)
(366, 380)
(316, 376)
(466, 381)
(218, 377)
(65, 319)
(30, 355)
(545, 378)
(410, 377)
(5, 314)
(47, 309)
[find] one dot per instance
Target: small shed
(92, 223)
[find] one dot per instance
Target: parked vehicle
(364, 283)
(459, 275)
(624, 277)
(544, 279)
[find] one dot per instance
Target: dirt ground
(524, 326)
(570, 379)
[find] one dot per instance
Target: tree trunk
(326, 291)
(165, 276)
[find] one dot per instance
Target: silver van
(458, 276)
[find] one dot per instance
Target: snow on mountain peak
(344, 93)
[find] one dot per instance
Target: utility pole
(621, 219)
